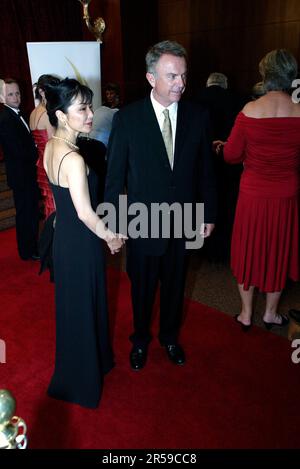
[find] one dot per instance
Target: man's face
(12, 95)
(169, 80)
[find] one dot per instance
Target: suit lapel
(16, 118)
(18, 122)
(11, 113)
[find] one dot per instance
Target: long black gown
(83, 352)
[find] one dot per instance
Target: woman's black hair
(42, 82)
(60, 96)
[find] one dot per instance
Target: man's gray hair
(217, 79)
(165, 47)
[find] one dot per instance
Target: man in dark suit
(20, 156)
(221, 103)
(160, 157)
(223, 106)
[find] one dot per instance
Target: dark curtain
(24, 21)
(139, 32)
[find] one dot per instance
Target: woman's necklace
(67, 141)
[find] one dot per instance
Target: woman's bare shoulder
(73, 160)
(250, 109)
(63, 151)
(272, 105)
(43, 119)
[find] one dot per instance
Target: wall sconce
(99, 24)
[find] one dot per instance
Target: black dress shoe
(35, 257)
(175, 354)
(138, 357)
(284, 321)
(244, 327)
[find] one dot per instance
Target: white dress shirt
(159, 109)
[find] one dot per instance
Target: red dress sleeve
(234, 149)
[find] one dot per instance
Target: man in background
(20, 156)
(102, 122)
(223, 106)
(112, 96)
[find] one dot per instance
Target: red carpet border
(236, 391)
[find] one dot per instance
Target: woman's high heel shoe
(244, 327)
(284, 321)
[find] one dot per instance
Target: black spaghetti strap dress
(83, 352)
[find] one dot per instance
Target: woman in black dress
(83, 353)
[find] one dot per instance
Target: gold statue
(99, 24)
(12, 428)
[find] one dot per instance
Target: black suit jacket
(138, 161)
(223, 108)
(19, 150)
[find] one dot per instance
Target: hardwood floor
(215, 286)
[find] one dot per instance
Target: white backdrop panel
(80, 60)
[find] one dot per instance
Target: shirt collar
(159, 108)
(12, 108)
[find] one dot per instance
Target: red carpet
(236, 390)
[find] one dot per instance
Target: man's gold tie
(167, 136)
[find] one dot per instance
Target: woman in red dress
(42, 131)
(265, 239)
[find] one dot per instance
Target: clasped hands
(115, 241)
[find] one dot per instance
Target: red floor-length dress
(265, 238)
